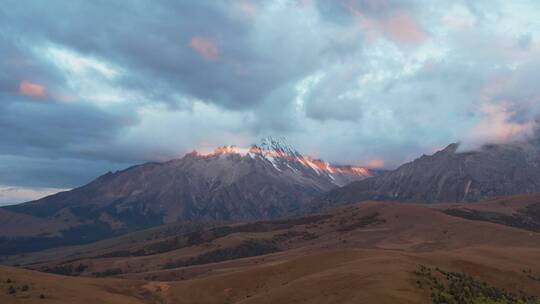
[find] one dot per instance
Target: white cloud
(87, 78)
(77, 64)
(12, 194)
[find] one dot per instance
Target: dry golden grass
(364, 264)
(61, 289)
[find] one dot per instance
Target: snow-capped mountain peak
(276, 145)
(282, 157)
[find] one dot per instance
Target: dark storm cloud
(18, 63)
(91, 85)
(47, 128)
(157, 43)
(46, 172)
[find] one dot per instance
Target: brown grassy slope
(345, 259)
(394, 226)
(60, 289)
(329, 276)
(20, 225)
(342, 276)
(355, 276)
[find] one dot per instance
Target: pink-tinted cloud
(247, 8)
(496, 126)
(402, 27)
(375, 163)
(398, 25)
(205, 47)
(244, 10)
(31, 89)
(494, 86)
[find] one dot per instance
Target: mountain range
(267, 180)
(452, 176)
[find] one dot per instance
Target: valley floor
(366, 253)
(332, 276)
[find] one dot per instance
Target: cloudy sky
(92, 86)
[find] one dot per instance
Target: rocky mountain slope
(452, 176)
(231, 184)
